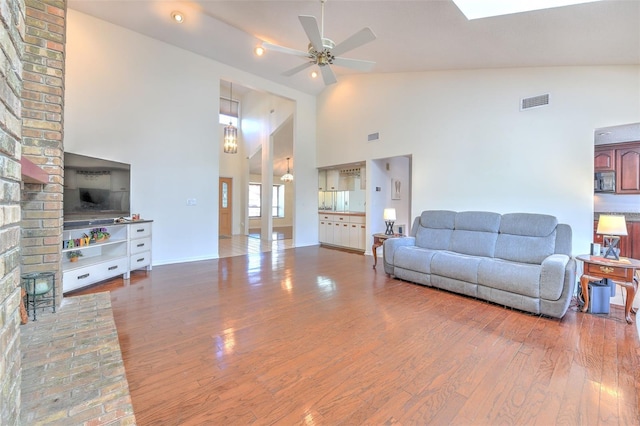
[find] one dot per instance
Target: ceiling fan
(323, 51)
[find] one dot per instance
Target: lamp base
(389, 230)
(611, 244)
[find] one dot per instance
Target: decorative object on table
(389, 219)
(99, 235)
(611, 227)
(37, 286)
(287, 177)
(135, 216)
(595, 249)
(74, 255)
(396, 186)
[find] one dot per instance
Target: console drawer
(140, 230)
(140, 260)
(139, 245)
(91, 274)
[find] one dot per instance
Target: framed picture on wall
(396, 187)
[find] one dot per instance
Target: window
(229, 111)
(255, 200)
(278, 201)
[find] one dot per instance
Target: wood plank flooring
(316, 336)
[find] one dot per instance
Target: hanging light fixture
(287, 177)
(230, 131)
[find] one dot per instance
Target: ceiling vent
(534, 102)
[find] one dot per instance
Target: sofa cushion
(518, 278)
(414, 258)
(475, 233)
(526, 237)
(456, 266)
(436, 227)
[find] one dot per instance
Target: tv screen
(95, 188)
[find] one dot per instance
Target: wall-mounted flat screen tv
(95, 188)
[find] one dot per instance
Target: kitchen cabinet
(333, 180)
(624, 160)
(628, 170)
(348, 231)
(604, 159)
(322, 180)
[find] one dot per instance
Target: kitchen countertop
(342, 213)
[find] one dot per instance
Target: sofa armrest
(390, 247)
(552, 276)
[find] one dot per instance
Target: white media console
(127, 249)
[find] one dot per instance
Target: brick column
(11, 45)
(42, 133)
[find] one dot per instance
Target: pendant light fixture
(287, 177)
(230, 131)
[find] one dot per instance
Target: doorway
(225, 203)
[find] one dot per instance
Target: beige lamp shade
(612, 225)
(389, 214)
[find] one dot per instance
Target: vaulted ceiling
(415, 35)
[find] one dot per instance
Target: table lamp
(611, 228)
(389, 219)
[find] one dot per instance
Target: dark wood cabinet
(604, 159)
(628, 170)
(624, 160)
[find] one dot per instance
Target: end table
(378, 241)
(621, 272)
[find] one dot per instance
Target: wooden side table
(621, 272)
(378, 241)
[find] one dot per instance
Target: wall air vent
(534, 102)
(373, 137)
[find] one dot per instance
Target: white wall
(134, 99)
(471, 146)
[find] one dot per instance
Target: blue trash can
(599, 298)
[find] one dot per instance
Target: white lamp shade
(390, 214)
(612, 225)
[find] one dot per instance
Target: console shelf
(127, 249)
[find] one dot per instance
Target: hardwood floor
(316, 336)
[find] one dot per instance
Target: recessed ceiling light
(259, 50)
(178, 17)
(475, 9)
(314, 74)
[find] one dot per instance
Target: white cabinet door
(322, 180)
(333, 180)
(322, 231)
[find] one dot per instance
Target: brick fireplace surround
(32, 63)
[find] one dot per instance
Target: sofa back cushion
(526, 237)
(475, 233)
(435, 230)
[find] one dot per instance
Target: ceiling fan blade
(363, 36)
(356, 64)
(297, 69)
(310, 26)
(282, 49)
(328, 75)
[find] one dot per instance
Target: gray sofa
(521, 260)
